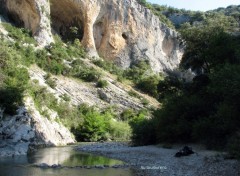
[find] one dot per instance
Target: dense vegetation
(205, 110)
(174, 17)
(13, 75)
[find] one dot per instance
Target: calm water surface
(66, 156)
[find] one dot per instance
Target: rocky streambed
(158, 161)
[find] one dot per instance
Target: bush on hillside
(102, 83)
(88, 74)
(119, 131)
(143, 130)
(149, 85)
(14, 78)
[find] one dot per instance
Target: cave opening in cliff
(12, 17)
(66, 20)
(22, 14)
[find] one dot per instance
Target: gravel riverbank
(157, 161)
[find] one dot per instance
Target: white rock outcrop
(28, 128)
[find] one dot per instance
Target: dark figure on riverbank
(185, 151)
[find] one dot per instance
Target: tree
(209, 44)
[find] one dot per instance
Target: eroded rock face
(127, 32)
(28, 128)
(118, 30)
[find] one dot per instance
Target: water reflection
(88, 159)
(66, 156)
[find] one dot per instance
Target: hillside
(47, 94)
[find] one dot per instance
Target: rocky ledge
(155, 161)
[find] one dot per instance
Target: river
(65, 156)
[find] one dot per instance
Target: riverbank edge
(155, 160)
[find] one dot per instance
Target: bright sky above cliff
(202, 5)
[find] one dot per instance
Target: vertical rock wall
(118, 30)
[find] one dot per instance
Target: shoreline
(157, 161)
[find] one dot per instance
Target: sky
(202, 5)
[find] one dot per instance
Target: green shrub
(120, 78)
(42, 97)
(102, 83)
(10, 99)
(50, 63)
(52, 58)
(169, 86)
(88, 74)
(50, 81)
(144, 101)
(76, 49)
(98, 126)
(143, 130)
(137, 70)
(103, 64)
(109, 66)
(94, 127)
(134, 94)
(119, 130)
(149, 85)
(14, 78)
(70, 116)
(127, 114)
(65, 97)
(19, 34)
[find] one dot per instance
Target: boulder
(185, 151)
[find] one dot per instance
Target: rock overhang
(118, 30)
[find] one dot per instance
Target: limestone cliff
(118, 30)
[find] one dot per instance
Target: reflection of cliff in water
(51, 155)
(89, 159)
(66, 156)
